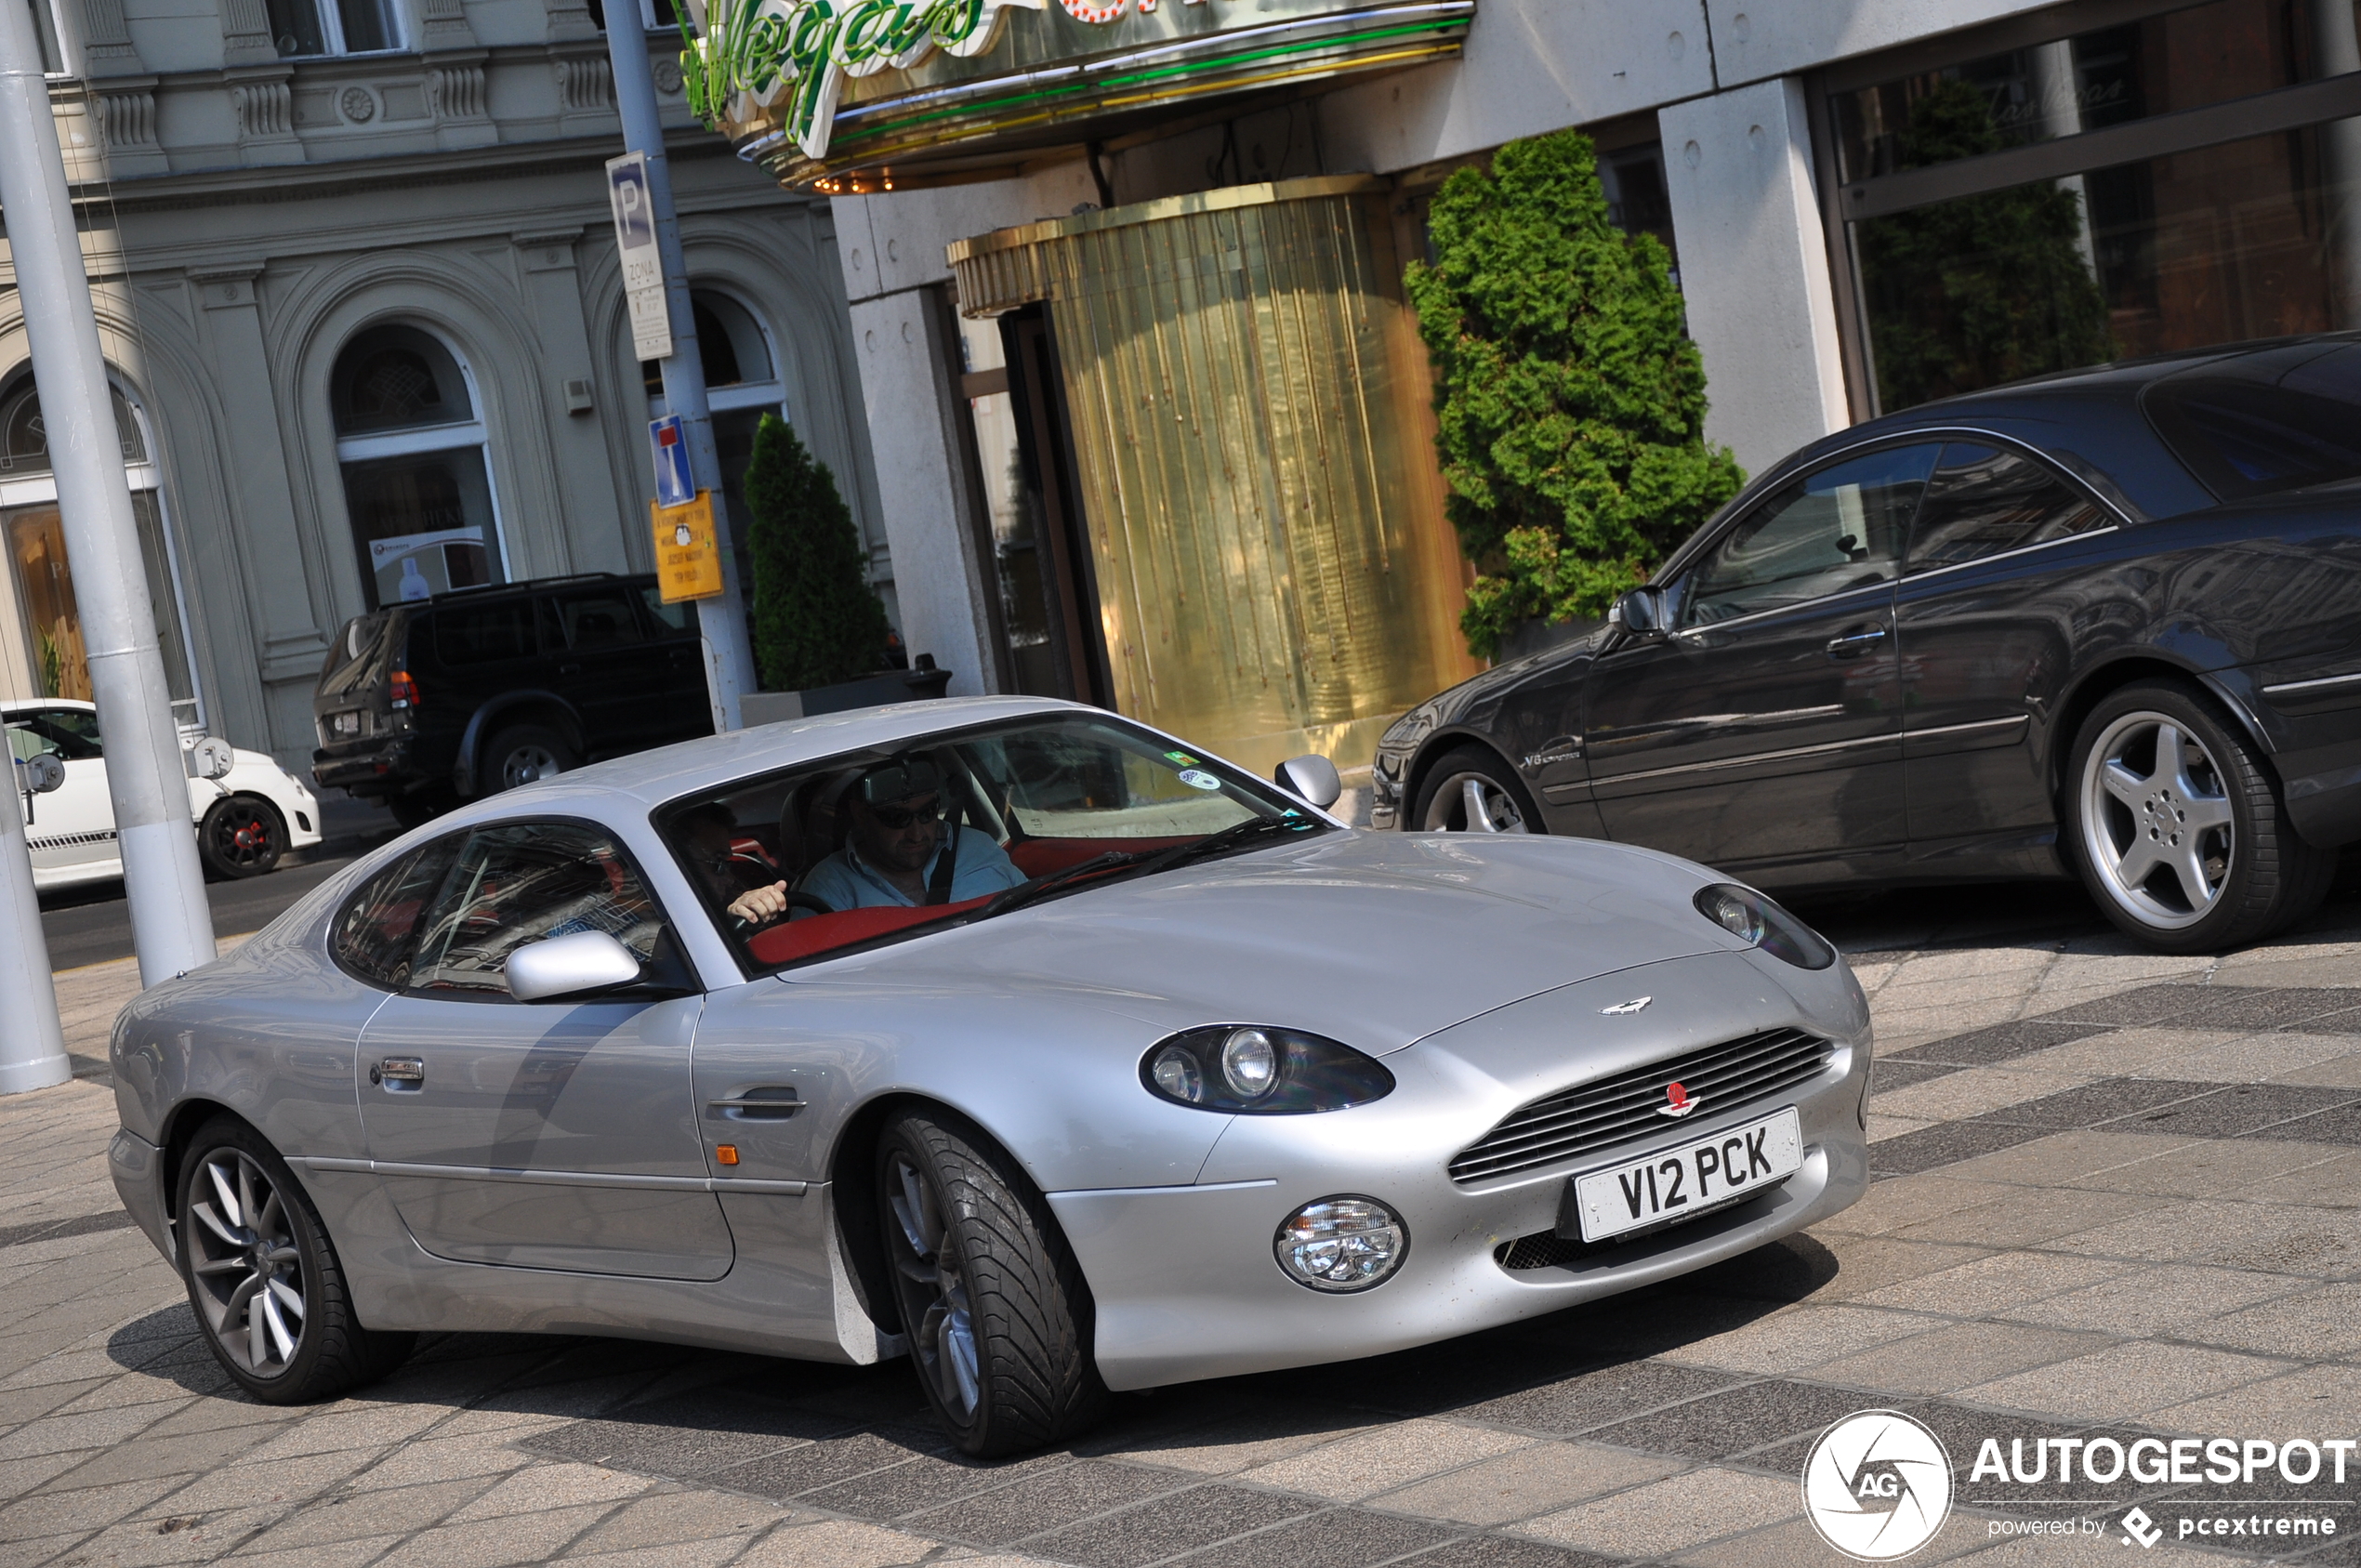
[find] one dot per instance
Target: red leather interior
(1038, 857)
(817, 933)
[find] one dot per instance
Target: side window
(668, 619)
(1841, 528)
(522, 882)
(599, 620)
(485, 634)
(375, 933)
(70, 732)
(1983, 500)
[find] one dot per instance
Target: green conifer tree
(1570, 400)
(816, 620)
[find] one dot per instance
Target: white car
(245, 819)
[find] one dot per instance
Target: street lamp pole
(33, 1046)
(171, 926)
(722, 620)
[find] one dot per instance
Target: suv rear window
(357, 657)
(483, 634)
(2278, 419)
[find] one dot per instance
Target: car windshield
(72, 733)
(881, 844)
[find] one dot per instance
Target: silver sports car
(1005, 1034)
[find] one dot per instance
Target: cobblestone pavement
(2120, 1195)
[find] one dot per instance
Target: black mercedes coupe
(2105, 623)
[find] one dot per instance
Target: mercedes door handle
(408, 1070)
(770, 1103)
(569, 670)
(1852, 644)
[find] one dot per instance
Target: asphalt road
(92, 925)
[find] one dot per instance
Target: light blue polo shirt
(843, 881)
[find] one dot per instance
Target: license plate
(347, 724)
(1672, 1184)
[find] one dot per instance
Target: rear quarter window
(376, 930)
(357, 657)
(2281, 418)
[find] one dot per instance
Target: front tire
(992, 1304)
(1470, 790)
(241, 835)
(263, 1278)
(2178, 828)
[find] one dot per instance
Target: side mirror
(1310, 778)
(43, 772)
(569, 966)
(1641, 614)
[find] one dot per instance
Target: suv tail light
(401, 690)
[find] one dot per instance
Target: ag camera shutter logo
(1876, 1485)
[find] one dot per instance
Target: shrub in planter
(816, 620)
(1571, 403)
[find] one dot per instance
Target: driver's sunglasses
(895, 818)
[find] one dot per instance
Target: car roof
(12, 704)
(712, 762)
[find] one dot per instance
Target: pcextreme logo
(1876, 1485)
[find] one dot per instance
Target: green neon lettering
(865, 27)
(954, 20)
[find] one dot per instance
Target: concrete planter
(870, 691)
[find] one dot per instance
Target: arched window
(742, 385)
(410, 439)
(50, 629)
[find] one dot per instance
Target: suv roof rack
(525, 583)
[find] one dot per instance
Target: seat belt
(946, 859)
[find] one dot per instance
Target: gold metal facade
(1248, 406)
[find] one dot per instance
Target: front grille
(1623, 1109)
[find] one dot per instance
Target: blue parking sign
(675, 486)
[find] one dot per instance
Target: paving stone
(2321, 1323)
(811, 1466)
(2280, 1007)
(2017, 1221)
(1185, 1522)
(2337, 1123)
(2002, 1042)
(2124, 1382)
(2106, 1101)
(925, 1483)
(2152, 1301)
(1051, 1500)
(1682, 1512)
(550, 1486)
(1733, 1422)
(1494, 1552)
(1942, 1144)
(1340, 1538)
(1797, 1337)
(1356, 1467)
(2260, 1110)
(1897, 1072)
(1991, 1284)
(1898, 1203)
(686, 1437)
(663, 1519)
(1208, 1444)
(2144, 1005)
(836, 1543)
(2204, 1169)
(1599, 1398)
(1537, 1479)
(2308, 1403)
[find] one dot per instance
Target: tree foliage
(1984, 289)
(816, 620)
(1570, 400)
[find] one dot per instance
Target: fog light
(1341, 1244)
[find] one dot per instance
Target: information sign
(635, 236)
(688, 560)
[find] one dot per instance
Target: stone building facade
(359, 292)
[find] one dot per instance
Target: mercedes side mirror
(1641, 614)
(1310, 778)
(580, 965)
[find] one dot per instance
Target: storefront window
(1969, 276)
(50, 623)
(1014, 508)
(411, 444)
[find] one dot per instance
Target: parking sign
(635, 236)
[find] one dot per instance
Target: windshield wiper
(1145, 862)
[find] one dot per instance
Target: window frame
(2073, 483)
(333, 44)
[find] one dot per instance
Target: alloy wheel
(1472, 802)
(527, 763)
(2157, 820)
(932, 1279)
(244, 834)
(245, 1262)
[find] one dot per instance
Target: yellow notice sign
(688, 562)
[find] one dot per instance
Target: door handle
(1851, 644)
(409, 1070)
(770, 1102)
(569, 670)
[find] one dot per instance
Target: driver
(896, 838)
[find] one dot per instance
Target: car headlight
(1341, 1244)
(1751, 917)
(1258, 1071)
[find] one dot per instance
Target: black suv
(468, 692)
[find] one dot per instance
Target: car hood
(1377, 940)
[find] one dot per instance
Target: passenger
(889, 856)
(748, 889)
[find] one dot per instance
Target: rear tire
(993, 1303)
(523, 754)
(1471, 790)
(2178, 828)
(241, 835)
(263, 1278)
